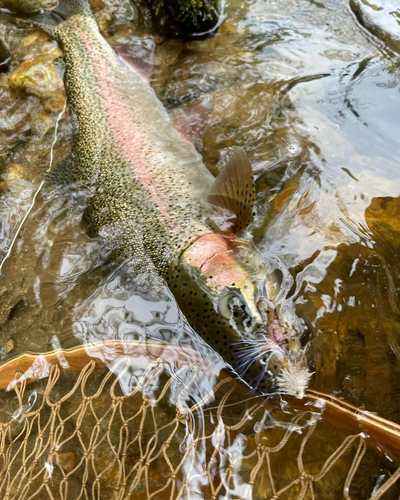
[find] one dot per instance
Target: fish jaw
(226, 266)
(240, 352)
(268, 348)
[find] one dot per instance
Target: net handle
(381, 434)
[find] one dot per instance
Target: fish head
(237, 280)
(233, 273)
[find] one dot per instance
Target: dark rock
(5, 57)
(184, 17)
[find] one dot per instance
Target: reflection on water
(314, 100)
(382, 18)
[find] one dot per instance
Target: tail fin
(50, 20)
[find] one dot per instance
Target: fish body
(148, 184)
(149, 190)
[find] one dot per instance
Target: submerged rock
(113, 16)
(39, 77)
(28, 6)
(380, 17)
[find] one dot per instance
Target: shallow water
(312, 95)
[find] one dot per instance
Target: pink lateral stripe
(125, 132)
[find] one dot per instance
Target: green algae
(185, 17)
(186, 8)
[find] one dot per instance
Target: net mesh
(158, 434)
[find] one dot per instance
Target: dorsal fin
(234, 190)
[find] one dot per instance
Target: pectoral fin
(234, 190)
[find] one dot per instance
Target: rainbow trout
(151, 197)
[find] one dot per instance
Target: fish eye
(232, 306)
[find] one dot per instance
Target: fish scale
(150, 197)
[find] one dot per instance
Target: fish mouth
(292, 378)
(271, 324)
(282, 325)
(288, 372)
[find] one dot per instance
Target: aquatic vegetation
(187, 17)
(187, 8)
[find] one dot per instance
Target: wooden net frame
(80, 436)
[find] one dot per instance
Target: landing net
(162, 433)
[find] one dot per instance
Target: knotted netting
(165, 430)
